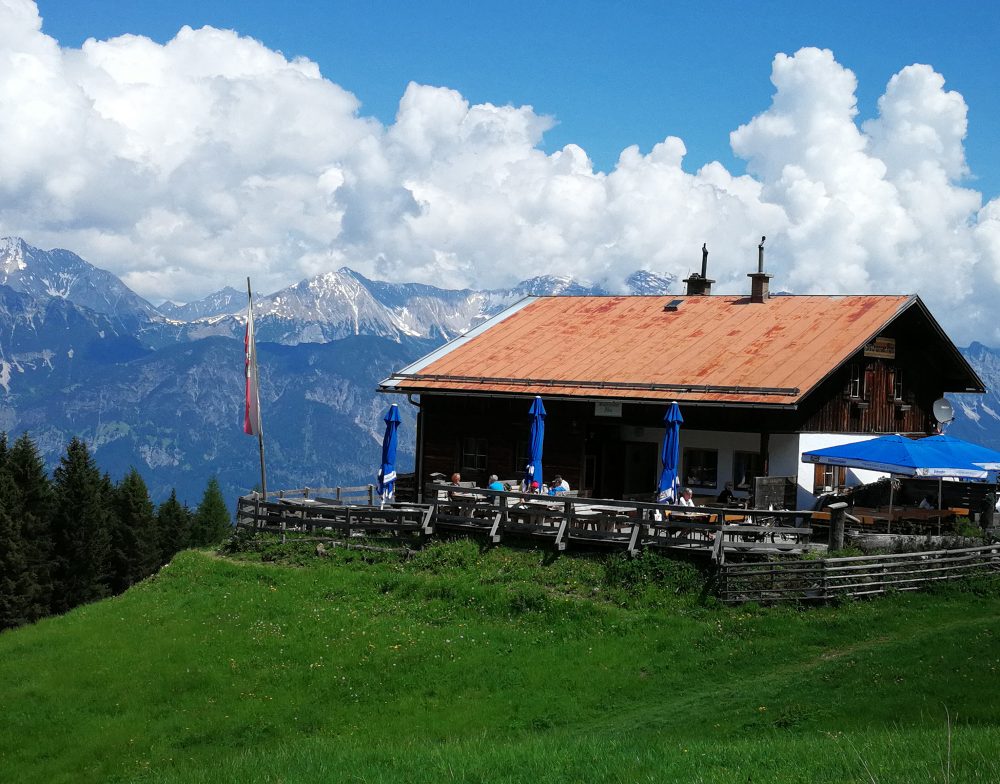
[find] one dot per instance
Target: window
(897, 386)
(474, 454)
(828, 479)
(701, 467)
(747, 466)
(854, 385)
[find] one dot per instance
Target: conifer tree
(173, 528)
(212, 522)
(15, 576)
(81, 526)
(134, 551)
(32, 509)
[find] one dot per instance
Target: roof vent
(673, 305)
(759, 279)
(700, 285)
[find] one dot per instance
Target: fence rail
(827, 578)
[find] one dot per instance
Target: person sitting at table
(727, 495)
(559, 485)
(495, 483)
(686, 497)
(534, 487)
(456, 481)
(925, 503)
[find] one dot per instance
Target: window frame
(757, 458)
(479, 453)
(692, 480)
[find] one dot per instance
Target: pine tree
(173, 528)
(212, 522)
(81, 526)
(15, 576)
(32, 509)
(134, 551)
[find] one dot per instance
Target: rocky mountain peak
(11, 255)
(644, 282)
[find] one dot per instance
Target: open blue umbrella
(387, 473)
(533, 472)
(670, 456)
(936, 456)
(966, 452)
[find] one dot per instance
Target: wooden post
(371, 495)
(838, 512)
(635, 540)
(338, 494)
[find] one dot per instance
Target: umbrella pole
(940, 482)
(892, 485)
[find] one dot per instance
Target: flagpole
(256, 386)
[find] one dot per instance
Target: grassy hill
(499, 666)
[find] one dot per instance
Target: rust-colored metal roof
(714, 349)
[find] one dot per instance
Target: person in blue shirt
(495, 483)
(559, 485)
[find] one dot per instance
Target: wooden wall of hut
(871, 395)
(500, 427)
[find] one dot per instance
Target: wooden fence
(826, 578)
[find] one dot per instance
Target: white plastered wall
(786, 460)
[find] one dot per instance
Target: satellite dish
(943, 411)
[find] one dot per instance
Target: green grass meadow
(470, 665)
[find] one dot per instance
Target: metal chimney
(759, 280)
(700, 285)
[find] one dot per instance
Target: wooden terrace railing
(301, 510)
(632, 524)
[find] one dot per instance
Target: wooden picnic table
(603, 517)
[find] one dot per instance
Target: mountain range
(161, 388)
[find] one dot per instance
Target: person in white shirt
(685, 499)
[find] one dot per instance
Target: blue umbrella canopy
(387, 473)
(895, 454)
(533, 472)
(670, 455)
(966, 451)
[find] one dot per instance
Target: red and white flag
(251, 417)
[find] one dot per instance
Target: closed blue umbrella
(387, 473)
(670, 456)
(533, 473)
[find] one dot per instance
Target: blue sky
(611, 73)
(186, 145)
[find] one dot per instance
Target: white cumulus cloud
(186, 166)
